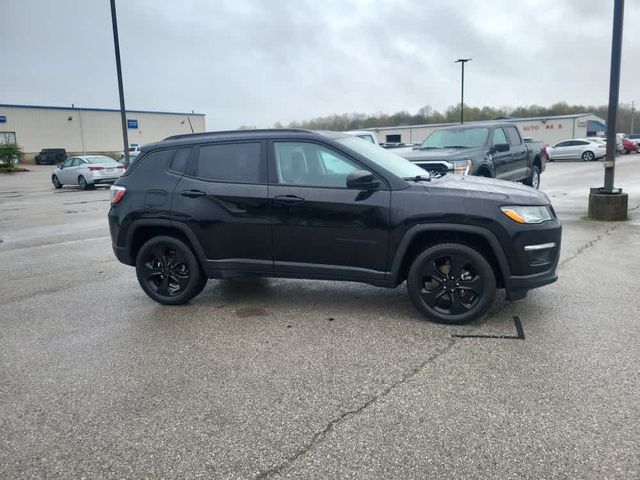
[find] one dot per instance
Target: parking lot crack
(589, 244)
(321, 435)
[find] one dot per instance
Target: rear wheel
(451, 283)
(82, 183)
(168, 271)
(533, 180)
(56, 182)
(588, 156)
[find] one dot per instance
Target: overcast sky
(256, 62)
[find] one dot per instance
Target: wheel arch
(420, 237)
(142, 230)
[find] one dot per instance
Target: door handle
(192, 193)
(288, 199)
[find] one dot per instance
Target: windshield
(456, 138)
(391, 162)
(100, 160)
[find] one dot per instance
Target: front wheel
(588, 156)
(451, 283)
(533, 180)
(56, 182)
(168, 271)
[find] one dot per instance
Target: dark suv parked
(326, 205)
(51, 156)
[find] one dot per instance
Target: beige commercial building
(551, 129)
(88, 130)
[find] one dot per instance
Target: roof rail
(253, 130)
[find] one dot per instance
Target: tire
(56, 183)
(533, 180)
(168, 271)
(588, 156)
(454, 301)
(82, 183)
(37, 161)
(627, 152)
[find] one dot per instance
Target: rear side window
(231, 162)
(514, 137)
(151, 163)
(180, 159)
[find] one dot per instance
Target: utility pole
(609, 203)
(462, 61)
(123, 113)
(632, 113)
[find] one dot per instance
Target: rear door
(223, 198)
(519, 157)
(501, 160)
(320, 226)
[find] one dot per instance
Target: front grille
(435, 169)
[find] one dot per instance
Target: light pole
(462, 61)
(123, 113)
(609, 203)
(632, 112)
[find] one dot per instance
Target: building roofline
(478, 122)
(84, 109)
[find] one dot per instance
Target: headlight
(522, 214)
(462, 166)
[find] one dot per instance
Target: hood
(487, 188)
(446, 154)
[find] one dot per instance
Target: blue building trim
(45, 107)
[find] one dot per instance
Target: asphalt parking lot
(298, 379)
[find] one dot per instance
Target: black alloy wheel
(168, 271)
(451, 283)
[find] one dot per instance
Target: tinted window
(514, 137)
(563, 144)
(151, 163)
(499, 137)
(230, 162)
(180, 160)
(580, 142)
(310, 164)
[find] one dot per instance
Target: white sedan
(586, 149)
(86, 171)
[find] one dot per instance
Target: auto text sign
(132, 123)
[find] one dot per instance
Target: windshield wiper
(429, 148)
(455, 146)
(418, 178)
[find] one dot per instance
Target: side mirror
(362, 180)
(501, 147)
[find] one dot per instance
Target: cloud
(255, 62)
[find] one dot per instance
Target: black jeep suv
(51, 156)
(326, 205)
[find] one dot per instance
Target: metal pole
(614, 90)
(123, 113)
(462, 96)
(462, 61)
(632, 105)
(84, 148)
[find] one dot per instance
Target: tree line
(428, 115)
